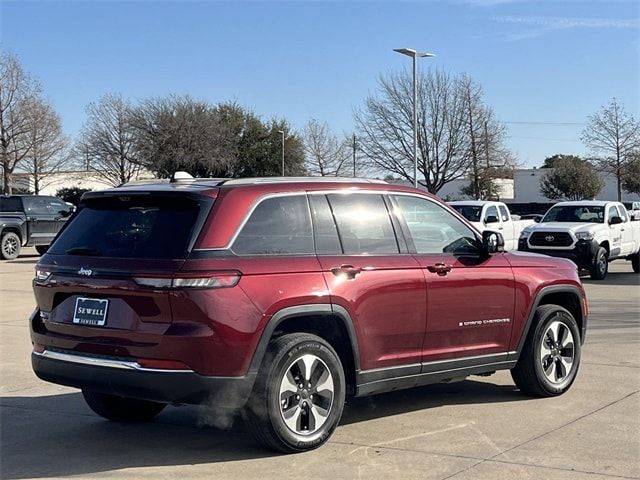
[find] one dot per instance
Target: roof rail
(259, 180)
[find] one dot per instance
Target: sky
(544, 66)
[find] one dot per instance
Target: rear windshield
(470, 212)
(132, 227)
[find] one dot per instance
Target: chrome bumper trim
(102, 362)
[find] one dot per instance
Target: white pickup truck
(591, 233)
(486, 215)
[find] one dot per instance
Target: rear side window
(277, 226)
(363, 223)
(324, 226)
(504, 213)
(10, 204)
(133, 227)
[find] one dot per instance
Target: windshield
(575, 213)
(470, 212)
(132, 227)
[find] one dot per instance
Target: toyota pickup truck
(590, 233)
(30, 220)
(486, 215)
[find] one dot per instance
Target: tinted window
(491, 212)
(504, 213)
(434, 229)
(10, 204)
(277, 226)
(38, 206)
(623, 213)
(613, 212)
(324, 226)
(470, 212)
(363, 223)
(149, 227)
(575, 213)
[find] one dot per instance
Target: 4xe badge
(85, 271)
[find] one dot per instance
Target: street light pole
(414, 54)
(281, 132)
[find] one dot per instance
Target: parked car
(532, 216)
(634, 210)
(486, 215)
(30, 220)
(279, 298)
(590, 233)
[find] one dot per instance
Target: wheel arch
(566, 296)
(332, 323)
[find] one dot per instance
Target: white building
(527, 187)
(75, 178)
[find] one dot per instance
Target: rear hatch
(103, 280)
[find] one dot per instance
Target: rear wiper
(84, 251)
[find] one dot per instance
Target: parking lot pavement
(478, 429)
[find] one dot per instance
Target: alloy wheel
(306, 394)
(557, 352)
(9, 246)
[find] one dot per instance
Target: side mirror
(537, 219)
(65, 213)
(491, 219)
(492, 242)
(615, 220)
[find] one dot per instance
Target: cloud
(537, 26)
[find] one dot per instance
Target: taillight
(213, 280)
(41, 275)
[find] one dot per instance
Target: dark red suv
(278, 298)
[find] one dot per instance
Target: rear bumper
(582, 254)
(124, 379)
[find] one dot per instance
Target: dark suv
(279, 298)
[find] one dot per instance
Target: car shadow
(58, 436)
(625, 279)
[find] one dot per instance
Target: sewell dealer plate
(90, 311)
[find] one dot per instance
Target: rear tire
(550, 358)
(42, 249)
(600, 265)
(299, 394)
(121, 409)
(9, 246)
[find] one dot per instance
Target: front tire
(9, 246)
(121, 409)
(635, 262)
(299, 395)
(550, 358)
(600, 264)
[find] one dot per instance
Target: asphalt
(482, 428)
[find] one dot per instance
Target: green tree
(72, 194)
(572, 178)
(631, 175)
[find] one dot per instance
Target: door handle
(440, 268)
(348, 271)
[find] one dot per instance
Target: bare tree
(487, 151)
(48, 145)
(107, 140)
(17, 89)
(385, 126)
(325, 155)
(614, 136)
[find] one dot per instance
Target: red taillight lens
(213, 280)
(162, 364)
